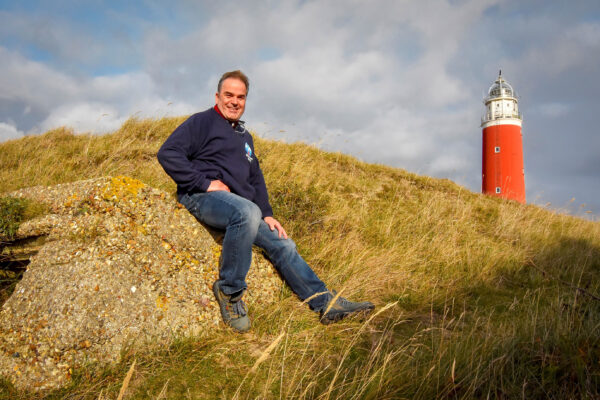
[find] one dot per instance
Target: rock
(122, 262)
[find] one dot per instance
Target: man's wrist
(205, 185)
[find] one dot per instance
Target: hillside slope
(476, 296)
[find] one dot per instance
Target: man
(211, 158)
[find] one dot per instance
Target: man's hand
(217, 185)
(274, 224)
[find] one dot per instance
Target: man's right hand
(217, 185)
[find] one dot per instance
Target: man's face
(231, 100)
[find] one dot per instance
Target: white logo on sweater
(248, 152)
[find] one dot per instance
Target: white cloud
(396, 82)
(9, 131)
(33, 83)
(586, 34)
(67, 43)
(87, 104)
(561, 49)
(84, 117)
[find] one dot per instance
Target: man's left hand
(274, 224)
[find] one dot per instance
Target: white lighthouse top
(500, 88)
(502, 106)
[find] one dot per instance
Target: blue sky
(394, 82)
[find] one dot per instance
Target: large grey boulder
(122, 263)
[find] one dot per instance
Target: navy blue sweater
(206, 147)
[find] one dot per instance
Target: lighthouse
(502, 164)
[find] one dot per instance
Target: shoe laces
(340, 300)
(238, 308)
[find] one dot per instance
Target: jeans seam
(296, 275)
(235, 249)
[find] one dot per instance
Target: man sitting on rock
(211, 158)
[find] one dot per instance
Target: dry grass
(476, 297)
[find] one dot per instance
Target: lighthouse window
(497, 189)
(497, 149)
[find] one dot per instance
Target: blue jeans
(242, 222)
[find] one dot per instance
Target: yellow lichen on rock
(216, 253)
(162, 302)
(122, 187)
(71, 200)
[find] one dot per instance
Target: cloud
(77, 45)
(33, 83)
(87, 104)
(553, 110)
(84, 117)
(8, 132)
(393, 82)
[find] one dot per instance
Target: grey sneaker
(233, 309)
(343, 308)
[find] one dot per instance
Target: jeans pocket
(192, 203)
(187, 201)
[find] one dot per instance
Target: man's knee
(248, 213)
(285, 248)
(288, 244)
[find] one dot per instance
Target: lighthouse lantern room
(502, 165)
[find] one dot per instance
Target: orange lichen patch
(162, 302)
(141, 229)
(122, 187)
(184, 259)
(71, 199)
(216, 252)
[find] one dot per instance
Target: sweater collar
(234, 124)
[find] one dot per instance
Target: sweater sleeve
(261, 197)
(175, 154)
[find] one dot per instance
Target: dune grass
(476, 297)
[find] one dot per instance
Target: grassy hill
(476, 297)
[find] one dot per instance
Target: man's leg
(240, 219)
(292, 267)
(302, 279)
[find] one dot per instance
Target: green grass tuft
(15, 210)
(11, 214)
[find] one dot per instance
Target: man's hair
(237, 74)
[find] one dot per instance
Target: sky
(394, 82)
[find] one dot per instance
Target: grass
(477, 297)
(13, 211)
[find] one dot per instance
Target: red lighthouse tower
(502, 167)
